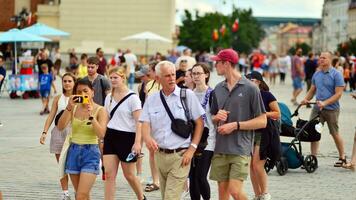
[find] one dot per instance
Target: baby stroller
(291, 152)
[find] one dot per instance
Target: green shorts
(225, 167)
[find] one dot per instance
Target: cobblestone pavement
(28, 171)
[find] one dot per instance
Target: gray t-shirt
(101, 84)
(244, 103)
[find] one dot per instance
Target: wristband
(194, 145)
(45, 133)
(238, 125)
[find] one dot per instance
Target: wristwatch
(194, 145)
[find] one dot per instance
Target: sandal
(340, 162)
(350, 166)
(151, 187)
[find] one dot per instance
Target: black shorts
(119, 143)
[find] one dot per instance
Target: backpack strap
(183, 99)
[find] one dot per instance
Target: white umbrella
(16, 35)
(146, 36)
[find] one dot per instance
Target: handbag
(179, 126)
(58, 116)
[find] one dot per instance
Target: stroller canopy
(285, 114)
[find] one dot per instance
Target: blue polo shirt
(325, 83)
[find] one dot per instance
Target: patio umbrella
(15, 35)
(146, 36)
(44, 30)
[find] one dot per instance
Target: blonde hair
(122, 73)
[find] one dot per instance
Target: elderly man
(237, 110)
(173, 153)
(328, 86)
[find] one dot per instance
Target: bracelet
(238, 125)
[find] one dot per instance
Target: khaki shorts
(331, 117)
(225, 167)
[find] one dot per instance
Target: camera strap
(118, 104)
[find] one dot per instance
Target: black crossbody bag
(179, 126)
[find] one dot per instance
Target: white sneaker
(266, 196)
(256, 198)
(65, 197)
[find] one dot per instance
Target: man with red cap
(237, 109)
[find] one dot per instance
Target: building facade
(334, 23)
(351, 25)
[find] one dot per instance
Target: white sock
(66, 192)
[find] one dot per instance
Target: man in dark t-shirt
(309, 68)
(42, 58)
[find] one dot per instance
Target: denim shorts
(297, 83)
(45, 93)
(83, 158)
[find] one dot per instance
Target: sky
(264, 8)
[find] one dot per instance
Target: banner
(23, 82)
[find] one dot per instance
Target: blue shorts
(45, 93)
(297, 83)
(83, 158)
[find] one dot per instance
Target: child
(46, 81)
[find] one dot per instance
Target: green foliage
(347, 48)
(304, 46)
(196, 32)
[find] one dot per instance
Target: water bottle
(131, 156)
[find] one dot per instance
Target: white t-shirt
(130, 60)
(123, 119)
(208, 122)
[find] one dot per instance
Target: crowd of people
(188, 126)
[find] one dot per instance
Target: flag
(222, 30)
(215, 35)
(235, 25)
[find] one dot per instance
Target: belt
(169, 151)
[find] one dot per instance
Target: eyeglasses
(197, 73)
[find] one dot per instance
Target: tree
(196, 31)
(347, 48)
(306, 48)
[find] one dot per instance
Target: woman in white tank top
(58, 137)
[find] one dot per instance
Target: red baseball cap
(226, 55)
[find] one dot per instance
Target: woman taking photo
(258, 173)
(58, 137)
(123, 135)
(199, 185)
(88, 121)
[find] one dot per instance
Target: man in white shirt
(173, 153)
(131, 61)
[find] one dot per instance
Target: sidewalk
(28, 171)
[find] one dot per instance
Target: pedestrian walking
(327, 86)
(297, 75)
(198, 184)
(58, 137)
(123, 134)
(173, 149)
(237, 110)
(46, 82)
(88, 123)
(258, 175)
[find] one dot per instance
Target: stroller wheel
(310, 163)
(268, 166)
(282, 166)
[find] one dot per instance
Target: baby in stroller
(291, 152)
